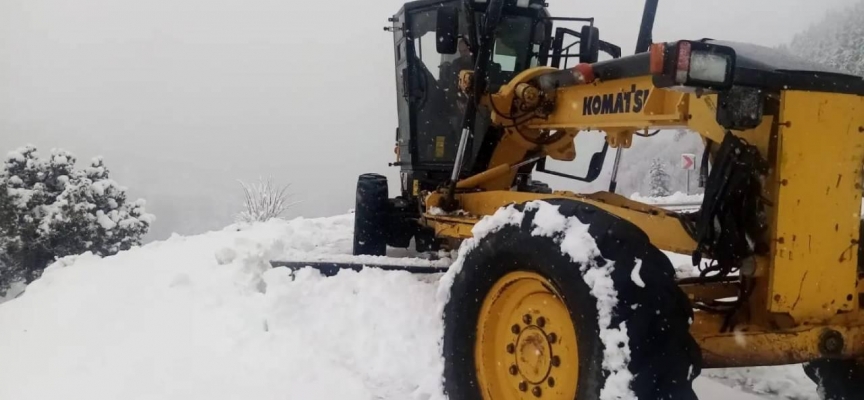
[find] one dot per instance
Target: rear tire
(370, 215)
(664, 356)
(837, 379)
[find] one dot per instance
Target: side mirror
(595, 167)
(589, 45)
(447, 31)
(539, 34)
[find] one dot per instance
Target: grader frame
(805, 295)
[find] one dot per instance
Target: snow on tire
(631, 320)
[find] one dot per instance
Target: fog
(184, 98)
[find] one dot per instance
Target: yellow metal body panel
(510, 150)
(663, 227)
(639, 105)
(820, 153)
(757, 345)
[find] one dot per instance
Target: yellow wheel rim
(526, 344)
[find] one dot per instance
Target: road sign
(688, 161)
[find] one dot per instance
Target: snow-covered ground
(676, 198)
(206, 317)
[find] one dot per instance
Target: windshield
(512, 52)
(439, 103)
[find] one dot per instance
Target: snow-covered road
(206, 317)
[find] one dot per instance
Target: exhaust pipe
(646, 30)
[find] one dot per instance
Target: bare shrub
(264, 201)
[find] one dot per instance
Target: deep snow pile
(205, 317)
(782, 382)
(167, 321)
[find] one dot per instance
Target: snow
(16, 155)
(707, 390)
(105, 221)
(781, 382)
(206, 317)
(436, 211)
(60, 160)
(616, 343)
(20, 197)
(168, 321)
(580, 246)
(675, 198)
(635, 274)
(99, 187)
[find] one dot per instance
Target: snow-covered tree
(49, 210)
(659, 179)
(837, 41)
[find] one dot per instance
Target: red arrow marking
(688, 162)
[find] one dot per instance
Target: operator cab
(435, 40)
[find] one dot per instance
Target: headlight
(709, 67)
(692, 64)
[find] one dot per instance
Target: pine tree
(659, 179)
(9, 270)
(836, 42)
(50, 210)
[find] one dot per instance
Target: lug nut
(552, 338)
(515, 329)
(541, 322)
(523, 386)
(536, 391)
(511, 348)
(514, 370)
(551, 381)
(556, 361)
(526, 319)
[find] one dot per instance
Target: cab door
(403, 108)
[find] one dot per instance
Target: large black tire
(837, 379)
(664, 356)
(370, 215)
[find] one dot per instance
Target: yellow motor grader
(489, 91)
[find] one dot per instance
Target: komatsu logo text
(615, 103)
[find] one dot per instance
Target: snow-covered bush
(263, 201)
(48, 209)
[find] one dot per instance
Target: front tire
(370, 215)
(522, 323)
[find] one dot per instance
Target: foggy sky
(185, 97)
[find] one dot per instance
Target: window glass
(504, 56)
(426, 51)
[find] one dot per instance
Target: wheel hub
(526, 344)
(534, 355)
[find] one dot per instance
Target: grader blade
(330, 269)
